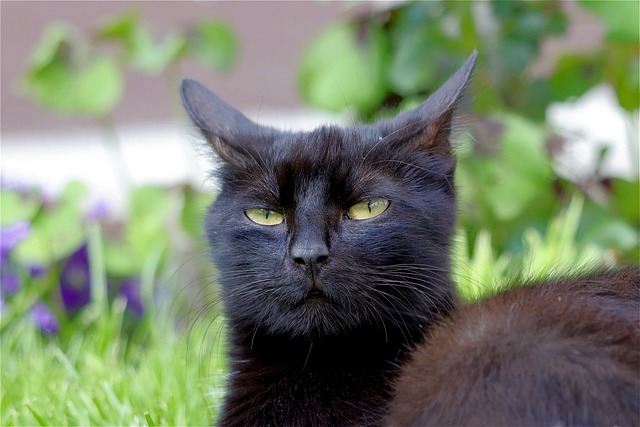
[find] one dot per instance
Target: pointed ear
(430, 124)
(232, 135)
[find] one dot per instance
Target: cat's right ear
(430, 125)
(231, 134)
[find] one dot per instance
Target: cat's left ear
(431, 123)
(234, 137)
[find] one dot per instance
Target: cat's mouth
(315, 296)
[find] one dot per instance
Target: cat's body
(560, 353)
(333, 253)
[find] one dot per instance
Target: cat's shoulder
(573, 306)
(545, 353)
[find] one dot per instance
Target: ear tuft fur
(231, 134)
(432, 121)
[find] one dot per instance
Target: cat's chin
(316, 315)
(315, 297)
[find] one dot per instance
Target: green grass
(106, 367)
(544, 256)
(106, 371)
(101, 376)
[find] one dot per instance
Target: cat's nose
(309, 253)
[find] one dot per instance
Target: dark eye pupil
(369, 206)
(267, 212)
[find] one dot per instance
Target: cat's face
(332, 230)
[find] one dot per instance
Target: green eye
(264, 216)
(368, 209)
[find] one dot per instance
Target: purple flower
(44, 318)
(37, 270)
(10, 236)
(75, 280)
(98, 211)
(130, 289)
(10, 184)
(9, 280)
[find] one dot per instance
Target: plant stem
(98, 272)
(114, 147)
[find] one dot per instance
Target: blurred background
(106, 289)
(251, 63)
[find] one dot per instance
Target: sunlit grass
(552, 254)
(110, 368)
(99, 376)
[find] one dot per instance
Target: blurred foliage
(73, 271)
(105, 306)
(151, 244)
(375, 64)
(73, 72)
(82, 73)
(405, 52)
(555, 252)
(118, 319)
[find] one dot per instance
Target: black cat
(333, 253)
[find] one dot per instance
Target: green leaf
(346, 67)
(56, 231)
(414, 66)
(74, 193)
(16, 207)
(55, 235)
(34, 250)
(139, 46)
(601, 226)
(418, 39)
(520, 177)
(53, 40)
(66, 77)
(154, 59)
(121, 260)
(150, 202)
(145, 230)
(612, 233)
(627, 198)
(147, 227)
(123, 27)
(620, 19)
(214, 44)
(622, 69)
(193, 212)
(516, 54)
(574, 75)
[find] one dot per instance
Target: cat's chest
(268, 393)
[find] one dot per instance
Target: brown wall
(272, 37)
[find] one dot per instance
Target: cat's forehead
(330, 163)
(324, 146)
(336, 165)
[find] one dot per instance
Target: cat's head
(327, 231)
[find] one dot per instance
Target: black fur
(323, 309)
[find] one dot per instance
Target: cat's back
(565, 352)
